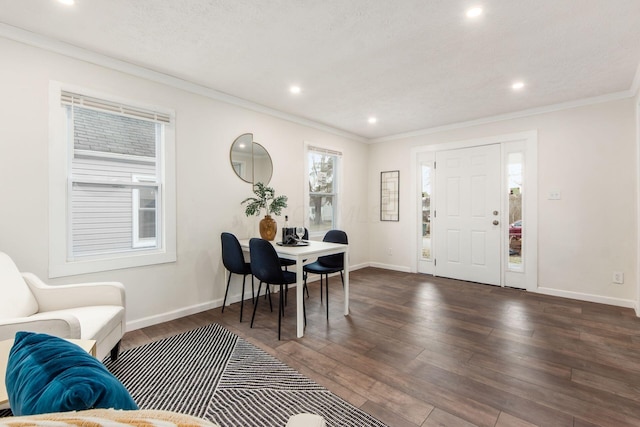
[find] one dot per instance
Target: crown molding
(515, 115)
(46, 43)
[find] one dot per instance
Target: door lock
(495, 213)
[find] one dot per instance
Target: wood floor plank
(418, 350)
(440, 418)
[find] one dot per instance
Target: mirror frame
(253, 156)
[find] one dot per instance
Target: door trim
(530, 203)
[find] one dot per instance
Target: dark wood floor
(424, 351)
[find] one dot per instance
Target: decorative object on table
(390, 196)
(265, 198)
(294, 236)
(285, 228)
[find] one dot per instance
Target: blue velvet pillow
(49, 374)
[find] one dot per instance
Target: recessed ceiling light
(474, 12)
(517, 85)
(372, 120)
(67, 2)
(295, 89)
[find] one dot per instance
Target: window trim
(60, 157)
(137, 241)
(337, 188)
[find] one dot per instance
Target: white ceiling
(414, 64)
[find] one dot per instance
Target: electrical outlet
(555, 195)
(618, 277)
(390, 251)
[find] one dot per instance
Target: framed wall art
(390, 196)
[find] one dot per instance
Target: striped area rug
(214, 374)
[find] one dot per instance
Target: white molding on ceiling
(43, 42)
(515, 115)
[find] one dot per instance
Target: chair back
(265, 264)
(337, 260)
(17, 299)
(232, 256)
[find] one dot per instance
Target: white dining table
(303, 255)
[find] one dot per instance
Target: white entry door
(467, 214)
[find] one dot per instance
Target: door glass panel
(515, 186)
(426, 212)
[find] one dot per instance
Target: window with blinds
(323, 179)
(115, 179)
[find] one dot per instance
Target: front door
(467, 214)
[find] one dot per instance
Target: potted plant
(265, 199)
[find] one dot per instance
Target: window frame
(145, 242)
(337, 186)
(61, 260)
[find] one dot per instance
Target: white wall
(587, 153)
(637, 123)
(208, 191)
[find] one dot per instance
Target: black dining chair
(328, 264)
(266, 267)
(233, 260)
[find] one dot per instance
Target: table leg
(346, 283)
(299, 298)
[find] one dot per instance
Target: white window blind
(322, 150)
(74, 99)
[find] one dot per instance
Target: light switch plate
(554, 195)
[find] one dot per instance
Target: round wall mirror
(250, 160)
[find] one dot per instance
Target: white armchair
(94, 311)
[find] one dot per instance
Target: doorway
(468, 196)
(467, 214)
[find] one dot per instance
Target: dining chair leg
(304, 277)
(255, 306)
(280, 312)
(320, 287)
(286, 293)
(253, 296)
(244, 278)
(285, 298)
(270, 305)
(226, 292)
(326, 287)
(342, 278)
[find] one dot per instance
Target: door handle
(496, 222)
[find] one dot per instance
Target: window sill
(116, 262)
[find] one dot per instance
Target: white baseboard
(174, 314)
(401, 268)
(187, 311)
(619, 302)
